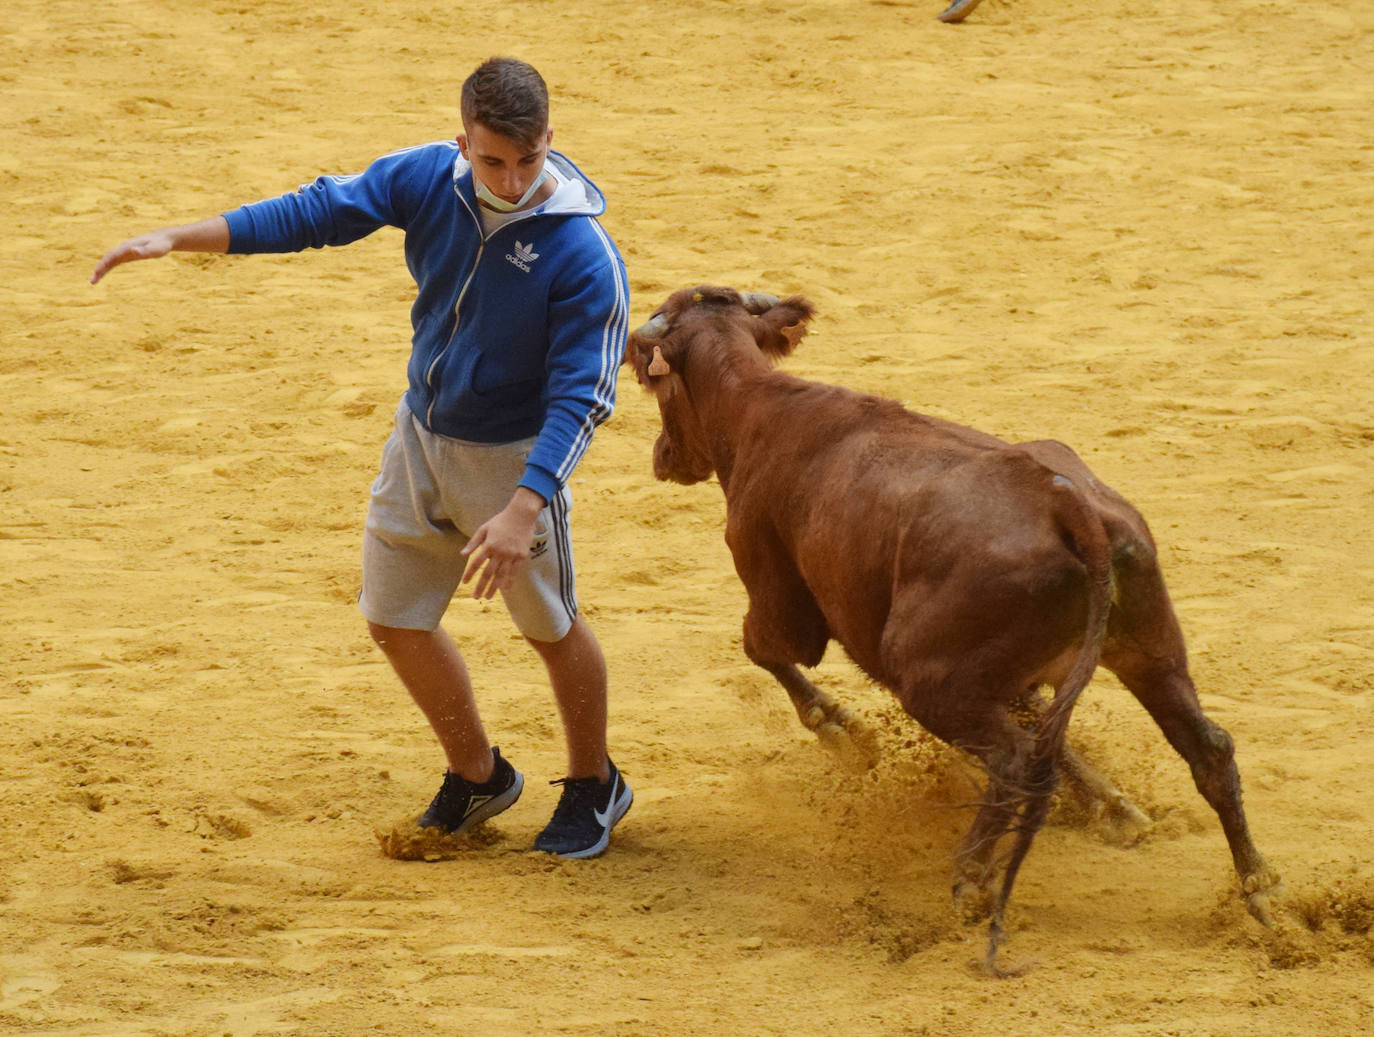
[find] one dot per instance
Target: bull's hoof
(1103, 806)
(1122, 823)
(974, 901)
(1260, 909)
(996, 970)
(991, 966)
(848, 746)
(845, 735)
(1260, 887)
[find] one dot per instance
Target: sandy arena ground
(1142, 229)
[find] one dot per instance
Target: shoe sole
(958, 11)
(619, 810)
(492, 807)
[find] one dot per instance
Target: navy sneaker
(586, 813)
(462, 804)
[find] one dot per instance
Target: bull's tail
(1088, 540)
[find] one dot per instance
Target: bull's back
(894, 518)
(839, 478)
(835, 471)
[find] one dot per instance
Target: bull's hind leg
(963, 707)
(1006, 750)
(976, 861)
(1021, 783)
(1167, 692)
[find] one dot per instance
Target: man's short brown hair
(507, 97)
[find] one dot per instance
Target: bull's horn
(655, 327)
(758, 302)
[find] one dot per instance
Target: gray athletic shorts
(430, 497)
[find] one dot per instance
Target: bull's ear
(779, 329)
(645, 355)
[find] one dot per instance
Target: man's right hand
(145, 246)
(210, 235)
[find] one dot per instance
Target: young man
(519, 325)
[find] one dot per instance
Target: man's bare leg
(577, 671)
(432, 670)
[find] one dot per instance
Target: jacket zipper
(457, 305)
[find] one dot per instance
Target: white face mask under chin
(487, 198)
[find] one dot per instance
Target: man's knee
(553, 636)
(391, 638)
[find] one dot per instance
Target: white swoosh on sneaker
(607, 817)
(475, 802)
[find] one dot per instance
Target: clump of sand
(404, 840)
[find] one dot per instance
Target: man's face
(507, 167)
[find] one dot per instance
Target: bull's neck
(721, 394)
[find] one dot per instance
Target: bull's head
(694, 330)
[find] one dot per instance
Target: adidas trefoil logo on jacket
(523, 255)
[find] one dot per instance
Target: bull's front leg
(1118, 819)
(839, 729)
(785, 626)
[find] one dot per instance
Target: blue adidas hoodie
(516, 335)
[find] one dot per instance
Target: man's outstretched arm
(210, 235)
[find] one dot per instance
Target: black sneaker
(461, 804)
(586, 813)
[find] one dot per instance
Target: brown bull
(960, 571)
